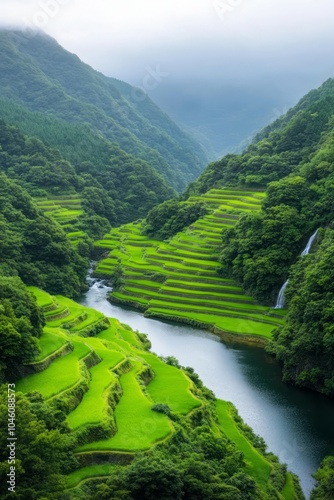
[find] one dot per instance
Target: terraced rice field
(178, 279)
(66, 210)
(100, 373)
(109, 381)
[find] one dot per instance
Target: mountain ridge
(61, 84)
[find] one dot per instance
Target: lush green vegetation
(279, 149)
(100, 416)
(44, 445)
(103, 110)
(325, 480)
(34, 247)
(20, 324)
(106, 394)
(305, 344)
(170, 217)
(294, 158)
(90, 197)
(178, 279)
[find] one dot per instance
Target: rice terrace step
(190, 289)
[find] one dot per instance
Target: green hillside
(118, 399)
(178, 279)
(35, 247)
(120, 190)
(279, 149)
(35, 72)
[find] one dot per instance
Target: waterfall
(306, 251)
(280, 298)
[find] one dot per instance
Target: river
(297, 425)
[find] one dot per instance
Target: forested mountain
(118, 189)
(38, 74)
(279, 149)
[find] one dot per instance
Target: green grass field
(257, 466)
(66, 210)
(61, 375)
(138, 427)
(190, 288)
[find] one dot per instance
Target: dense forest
(121, 190)
(34, 247)
(39, 75)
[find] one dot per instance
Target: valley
(166, 373)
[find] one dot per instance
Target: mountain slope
(39, 74)
(121, 188)
(279, 149)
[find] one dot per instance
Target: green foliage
(305, 344)
(117, 278)
(34, 247)
(121, 189)
(161, 408)
(20, 326)
(325, 480)
(100, 109)
(259, 250)
(167, 219)
(44, 450)
(279, 149)
(203, 466)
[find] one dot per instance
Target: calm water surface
(298, 426)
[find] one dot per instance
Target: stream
(297, 425)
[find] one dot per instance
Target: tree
(44, 452)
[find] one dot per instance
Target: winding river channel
(298, 426)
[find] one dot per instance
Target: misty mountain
(224, 117)
(38, 74)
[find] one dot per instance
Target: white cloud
(192, 37)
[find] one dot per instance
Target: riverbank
(296, 425)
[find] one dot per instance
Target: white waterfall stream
(281, 294)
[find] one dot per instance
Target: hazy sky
(198, 44)
(231, 39)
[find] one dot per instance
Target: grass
(121, 362)
(94, 407)
(189, 261)
(62, 374)
(138, 427)
(224, 324)
(256, 465)
(76, 477)
(50, 342)
(43, 298)
(170, 386)
(66, 210)
(79, 316)
(288, 492)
